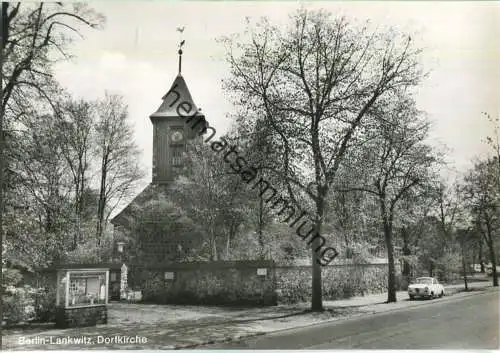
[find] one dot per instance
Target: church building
(177, 121)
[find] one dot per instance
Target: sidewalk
(334, 310)
(380, 298)
(170, 327)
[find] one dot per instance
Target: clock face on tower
(176, 136)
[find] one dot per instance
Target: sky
(136, 56)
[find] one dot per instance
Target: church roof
(178, 94)
(138, 202)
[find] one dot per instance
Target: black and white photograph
(257, 175)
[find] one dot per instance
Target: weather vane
(181, 43)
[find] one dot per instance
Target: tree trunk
(215, 254)
(317, 285)
(228, 245)
(481, 256)
(75, 239)
(464, 267)
(391, 278)
(260, 228)
(406, 252)
(387, 217)
(488, 235)
(493, 261)
(102, 198)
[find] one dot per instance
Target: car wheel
(442, 294)
(431, 296)
(412, 297)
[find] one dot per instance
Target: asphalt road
(470, 322)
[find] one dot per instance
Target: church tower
(175, 122)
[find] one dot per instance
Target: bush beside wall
(19, 305)
(45, 297)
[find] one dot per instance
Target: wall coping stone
(207, 265)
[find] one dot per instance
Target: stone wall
(83, 316)
(238, 283)
(343, 280)
(212, 283)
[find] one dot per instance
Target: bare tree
(119, 168)
(314, 84)
(37, 35)
(494, 139)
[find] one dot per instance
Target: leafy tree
(44, 173)
(397, 161)
(88, 252)
(255, 142)
(413, 212)
(31, 34)
(454, 227)
(158, 225)
(118, 154)
(76, 125)
(482, 197)
(433, 246)
(314, 84)
(208, 192)
(351, 214)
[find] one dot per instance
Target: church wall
(211, 283)
(238, 283)
(340, 281)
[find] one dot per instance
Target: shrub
(45, 305)
(11, 277)
(13, 309)
(19, 304)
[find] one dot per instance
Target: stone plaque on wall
(261, 271)
(169, 275)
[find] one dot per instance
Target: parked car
(489, 269)
(426, 287)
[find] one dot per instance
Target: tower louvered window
(177, 150)
(176, 146)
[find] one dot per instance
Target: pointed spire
(177, 94)
(181, 30)
(180, 60)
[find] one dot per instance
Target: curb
(222, 340)
(355, 316)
